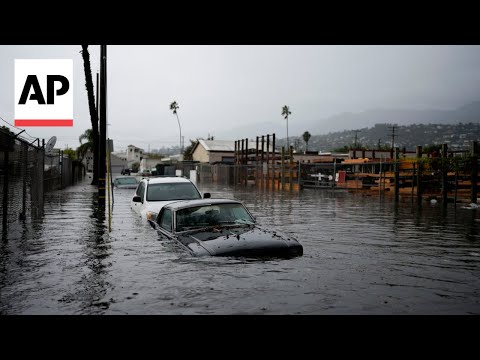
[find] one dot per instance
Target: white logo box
(32, 113)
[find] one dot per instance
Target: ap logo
(43, 92)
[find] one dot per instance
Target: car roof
(167, 179)
(181, 204)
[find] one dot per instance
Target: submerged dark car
(221, 227)
(125, 182)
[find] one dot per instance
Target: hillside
(469, 113)
(457, 136)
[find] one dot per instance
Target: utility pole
(393, 140)
(355, 144)
(103, 126)
(393, 127)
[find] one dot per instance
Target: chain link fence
(26, 174)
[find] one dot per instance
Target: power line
(33, 137)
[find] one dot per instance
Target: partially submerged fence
(21, 176)
(451, 176)
(26, 174)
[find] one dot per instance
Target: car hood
(245, 240)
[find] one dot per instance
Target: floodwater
(362, 255)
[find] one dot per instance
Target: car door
(139, 206)
(164, 224)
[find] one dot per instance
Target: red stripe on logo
(42, 122)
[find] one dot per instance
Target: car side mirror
(152, 224)
(207, 196)
(137, 198)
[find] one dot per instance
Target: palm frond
(174, 106)
(286, 111)
(83, 149)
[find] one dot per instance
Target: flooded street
(362, 255)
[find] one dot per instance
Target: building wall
(307, 158)
(117, 164)
(149, 164)
(134, 154)
(218, 156)
(379, 154)
(88, 161)
(200, 154)
(121, 155)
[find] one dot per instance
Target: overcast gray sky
(222, 89)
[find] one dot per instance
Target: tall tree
(174, 106)
(93, 111)
(285, 112)
(85, 146)
(306, 137)
(187, 154)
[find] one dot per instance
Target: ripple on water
(362, 255)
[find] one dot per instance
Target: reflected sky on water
(362, 255)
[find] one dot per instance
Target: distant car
(153, 193)
(221, 227)
(146, 172)
(125, 182)
(126, 171)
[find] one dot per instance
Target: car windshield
(172, 191)
(126, 181)
(212, 215)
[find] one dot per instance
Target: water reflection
(91, 288)
(362, 255)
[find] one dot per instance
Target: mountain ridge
(350, 121)
(469, 112)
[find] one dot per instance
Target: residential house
(219, 151)
(134, 155)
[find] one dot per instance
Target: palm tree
(93, 113)
(174, 106)
(286, 112)
(306, 137)
(187, 153)
(83, 148)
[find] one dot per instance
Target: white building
(134, 155)
(149, 164)
(88, 161)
